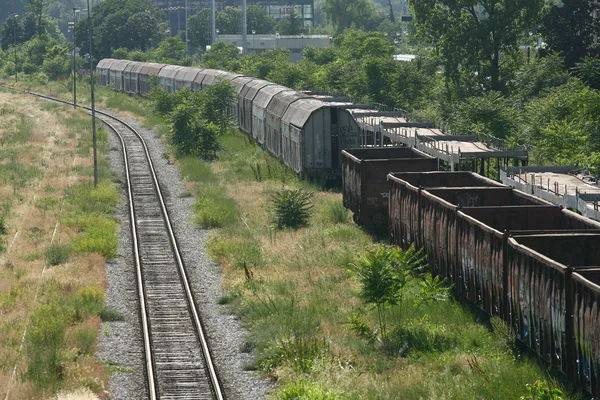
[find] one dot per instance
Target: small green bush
(57, 254)
(291, 208)
(88, 301)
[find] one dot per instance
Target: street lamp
(15, 46)
(253, 41)
(75, 12)
(93, 103)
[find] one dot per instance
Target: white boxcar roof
(264, 96)
(119, 65)
(169, 71)
(130, 67)
(249, 91)
(188, 74)
(105, 63)
(151, 68)
(137, 67)
(299, 111)
(209, 76)
(281, 101)
(239, 82)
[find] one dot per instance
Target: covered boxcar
(147, 74)
(166, 77)
(246, 98)
(103, 71)
(259, 110)
(117, 75)
(130, 77)
(275, 110)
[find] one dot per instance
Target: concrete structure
(296, 44)
(557, 185)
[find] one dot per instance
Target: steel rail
(215, 384)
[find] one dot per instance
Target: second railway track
(178, 360)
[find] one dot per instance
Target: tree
(290, 25)
(344, 14)
(199, 28)
(569, 28)
(8, 29)
(259, 20)
(132, 24)
(37, 9)
(170, 49)
(225, 56)
(472, 34)
(229, 21)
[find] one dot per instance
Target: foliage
(473, 34)
(588, 70)
(170, 50)
(384, 273)
(569, 28)
(132, 24)
(44, 344)
(291, 25)
(344, 14)
(223, 56)
(199, 28)
(491, 114)
(540, 391)
(290, 208)
(57, 254)
(197, 119)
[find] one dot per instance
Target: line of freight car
(364, 183)
(512, 255)
(305, 133)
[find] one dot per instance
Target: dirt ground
(32, 200)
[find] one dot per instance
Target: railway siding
(512, 255)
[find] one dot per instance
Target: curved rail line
(178, 360)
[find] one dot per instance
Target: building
(175, 9)
(261, 43)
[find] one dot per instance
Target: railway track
(178, 360)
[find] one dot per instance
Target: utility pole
(93, 103)
(15, 46)
(213, 23)
(244, 27)
(75, 12)
(187, 40)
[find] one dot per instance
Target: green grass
(90, 210)
(212, 209)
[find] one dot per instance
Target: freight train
(508, 253)
(306, 132)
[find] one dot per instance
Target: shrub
(291, 208)
(44, 344)
(85, 339)
(88, 301)
(57, 254)
(541, 391)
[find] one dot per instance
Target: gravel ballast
(120, 344)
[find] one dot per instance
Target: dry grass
(32, 225)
